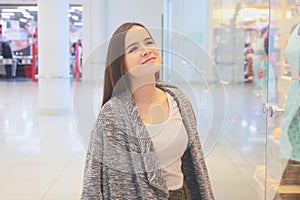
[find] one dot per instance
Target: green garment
(290, 130)
(265, 86)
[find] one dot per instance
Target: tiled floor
(42, 157)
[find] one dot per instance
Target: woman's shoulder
(172, 89)
(117, 106)
(111, 105)
(167, 86)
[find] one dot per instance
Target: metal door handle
(275, 110)
(265, 107)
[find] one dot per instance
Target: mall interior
(236, 60)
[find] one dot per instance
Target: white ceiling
(32, 1)
(21, 14)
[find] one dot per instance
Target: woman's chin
(147, 69)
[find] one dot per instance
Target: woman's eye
(150, 42)
(133, 49)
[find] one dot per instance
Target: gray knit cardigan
(121, 162)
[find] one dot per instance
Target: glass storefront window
(283, 155)
(244, 52)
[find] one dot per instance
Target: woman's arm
(92, 183)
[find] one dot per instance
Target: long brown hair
(115, 61)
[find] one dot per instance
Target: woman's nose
(146, 51)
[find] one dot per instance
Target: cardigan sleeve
(92, 183)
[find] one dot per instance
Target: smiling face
(140, 49)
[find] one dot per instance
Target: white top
(170, 141)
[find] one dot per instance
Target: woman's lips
(149, 60)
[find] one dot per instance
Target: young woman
(145, 143)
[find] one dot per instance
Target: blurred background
(232, 58)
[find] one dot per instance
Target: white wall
(191, 44)
(148, 13)
(102, 17)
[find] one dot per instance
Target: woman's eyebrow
(148, 38)
(130, 45)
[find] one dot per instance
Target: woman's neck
(151, 103)
(143, 84)
(144, 90)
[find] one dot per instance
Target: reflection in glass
(283, 146)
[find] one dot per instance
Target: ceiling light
(78, 23)
(31, 8)
(23, 20)
(77, 8)
(75, 17)
(11, 10)
(8, 14)
(5, 16)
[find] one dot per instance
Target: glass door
(212, 48)
(283, 138)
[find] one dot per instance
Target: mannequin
(263, 72)
(290, 131)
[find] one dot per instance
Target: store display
(264, 75)
(19, 26)
(290, 137)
